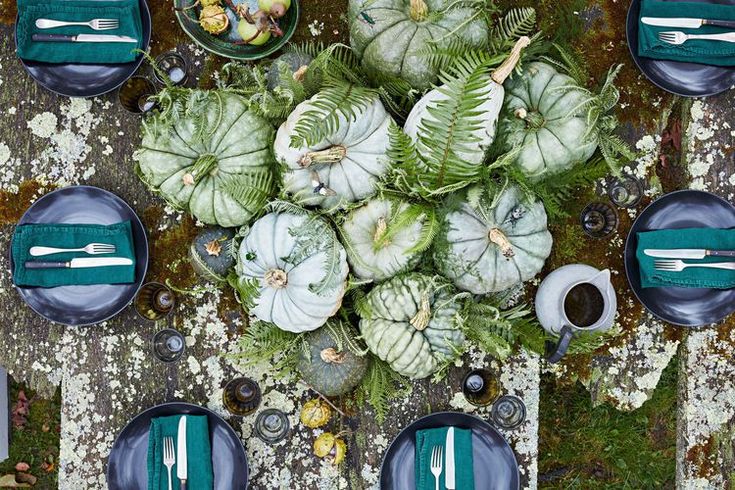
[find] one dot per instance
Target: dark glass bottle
(481, 387)
(241, 396)
(154, 301)
(168, 345)
(272, 425)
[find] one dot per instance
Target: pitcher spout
(602, 280)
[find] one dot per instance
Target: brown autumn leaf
(21, 410)
(8, 481)
(48, 466)
(22, 466)
(26, 478)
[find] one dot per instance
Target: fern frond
(247, 289)
(380, 386)
(265, 342)
(517, 22)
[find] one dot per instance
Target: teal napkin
(463, 473)
(694, 51)
(126, 11)
(693, 277)
(72, 236)
(198, 450)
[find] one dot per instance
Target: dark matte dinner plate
(84, 305)
(495, 465)
(127, 463)
(686, 79)
(687, 307)
(88, 80)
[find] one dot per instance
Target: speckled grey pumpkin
(211, 253)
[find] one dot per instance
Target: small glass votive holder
(168, 345)
(272, 425)
(508, 412)
(625, 191)
(481, 387)
(154, 301)
(174, 66)
(599, 219)
(241, 396)
(135, 95)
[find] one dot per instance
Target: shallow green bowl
(221, 44)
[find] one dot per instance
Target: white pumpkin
(298, 268)
(384, 237)
(340, 169)
(490, 244)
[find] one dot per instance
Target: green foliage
(380, 386)
(517, 22)
(265, 342)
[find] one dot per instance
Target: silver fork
(169, 458)
(678, 37)
(680, 265)
(91, 249)
(96, 24)
(436, 463)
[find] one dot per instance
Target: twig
(323, 398)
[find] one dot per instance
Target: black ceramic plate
(687, 307)
(127, 463)
(85, 305)
(495, 465)
(686, 79)
(88, 80)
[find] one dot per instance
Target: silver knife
(688, 22)
(80, 263)
(181, 463)
(688, 253)
(83, 38)
(449, 473)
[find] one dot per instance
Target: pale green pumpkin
(216, 165)
(392, 36)
(491, 243)
(545, 114)
(412, 323)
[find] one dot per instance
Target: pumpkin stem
(533, 119)
(205, 165)
(511, 61)
(418, 10)
(331, 356)
(498, 238)
(300, 74)
(333, 154)
(276, 278)
(421, 319)
(380, 228)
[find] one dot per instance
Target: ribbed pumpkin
(385, 237)
(491, 243)
(221, 175)
(392, 36)
(211, 253)
(544, 113)
(411, 322)
(343, 167)
(297, 268)
(329, 368)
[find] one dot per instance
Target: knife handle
(56, 38)
(718, 23)
(183, 485)
(721, 253)
(44, 264)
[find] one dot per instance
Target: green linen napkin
(126, 11)
(198, 451)
(72, 236)
(693, 277)
(694, 51)
(463, 474)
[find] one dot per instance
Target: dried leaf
(26, 478)
(48, 467)
(22, 466)
(21, 410)
(8, 481)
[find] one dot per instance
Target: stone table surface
(107, 374)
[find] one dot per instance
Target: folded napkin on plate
(72, 236)
(126, 11)
(198, 451)
(693, 51)
(463, 473)
(692, 277)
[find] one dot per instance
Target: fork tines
(665, 265)
(436, 456)
(168, 449)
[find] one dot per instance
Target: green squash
(412, 323)
(544, 113)
(211, 253)
(392, 36)
(491, 243)
(293, 63)
(222, 175)
(329, 368)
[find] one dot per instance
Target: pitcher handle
(565, 338)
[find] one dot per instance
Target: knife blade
(78, 263)
(687, 22)
(83, 38)
(449, 473)
(688, 253)
(181, 462)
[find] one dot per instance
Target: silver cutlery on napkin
(92, 249)
(169, 458)
(82, 38)
(687, 253)
(680, 265)
(79, 263)
(678, 37)
(686, 22)
(181, 465)
(449, 483)
(96, 24)
(436, 463)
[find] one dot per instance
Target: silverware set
(676, 264)
(437, 462)
(79, 262)
(94, 24)
(678, 37)
(170, 457)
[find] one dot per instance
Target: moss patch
(14, 204)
